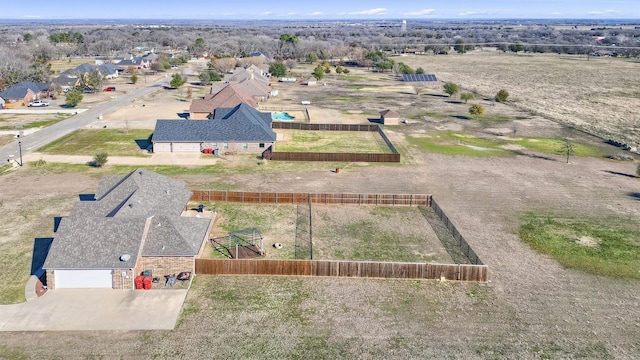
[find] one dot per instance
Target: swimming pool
(282, 116)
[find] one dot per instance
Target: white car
(38, 103)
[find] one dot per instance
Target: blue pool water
(282, 116)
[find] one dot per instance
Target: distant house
(137, 62)
(133, 224)
(259, 91)
(99, 60)
(108, 71)
(312, 81)
(230, 96)
(23, 93)
(389, 117)
(238, 129)
(251, 72)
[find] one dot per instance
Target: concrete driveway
(95, 309)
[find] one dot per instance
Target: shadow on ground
(635, 195)
(619, 173)
(40, 251)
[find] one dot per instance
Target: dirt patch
(588, 241)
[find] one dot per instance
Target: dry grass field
(601, 95)
(532, 307)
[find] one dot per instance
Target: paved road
(51, 133)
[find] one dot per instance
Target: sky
(321, 9)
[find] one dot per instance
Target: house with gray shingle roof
(238, 129)
(24, 92)
(133, 224)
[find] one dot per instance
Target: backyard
(331, 141)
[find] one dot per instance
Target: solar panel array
(419, 77)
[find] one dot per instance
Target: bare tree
(290, 63)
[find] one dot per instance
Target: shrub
(100, 159)
(502, 95)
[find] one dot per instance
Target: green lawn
(115, 142)
(453, 143)
(456, 143)
(363, 233)
(332, 141)
(593, 246)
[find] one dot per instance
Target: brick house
(135, 223)
(22, 93)
(230, 96)
(240, 129)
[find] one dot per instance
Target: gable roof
(171, 236)
(140, 193)
(20, 90)
(230, 96)
(241, 123)
(96, 243)
(251, 72)
(107, 69)
(99, 242)
(389, 113)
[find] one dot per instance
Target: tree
(100, 159)
(419, 70)
(460, 47)
(73, 98)
(502, 95)
(209, 76)
(451, 88)
(476, 110)
(94, 80)
(318, 72)
(466, 97)
(566, 148)
(311, 57)
(27, 37)
(158, 66)
(516, 47)
(189, 93)
(278, 69)
(222, 65)
(290, 63)
(176, 81)
(198, 48)
(134, 79)
(132, 70)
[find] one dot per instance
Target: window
(245, 146)
(225, 145)
(261, 145)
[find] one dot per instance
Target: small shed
(389, 117)
(312, 81)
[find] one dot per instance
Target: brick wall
(164, 265)
(51, 280)
(118, 279)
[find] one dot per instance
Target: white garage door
(186, 147)
(83, 279)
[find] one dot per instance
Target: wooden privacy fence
(249, 197)
(335, 157)
(325, 127)
(334, 268)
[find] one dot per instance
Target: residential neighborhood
(385, 183)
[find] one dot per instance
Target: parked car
(110, 88)
(38, 103)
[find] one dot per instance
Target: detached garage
(83, 279)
